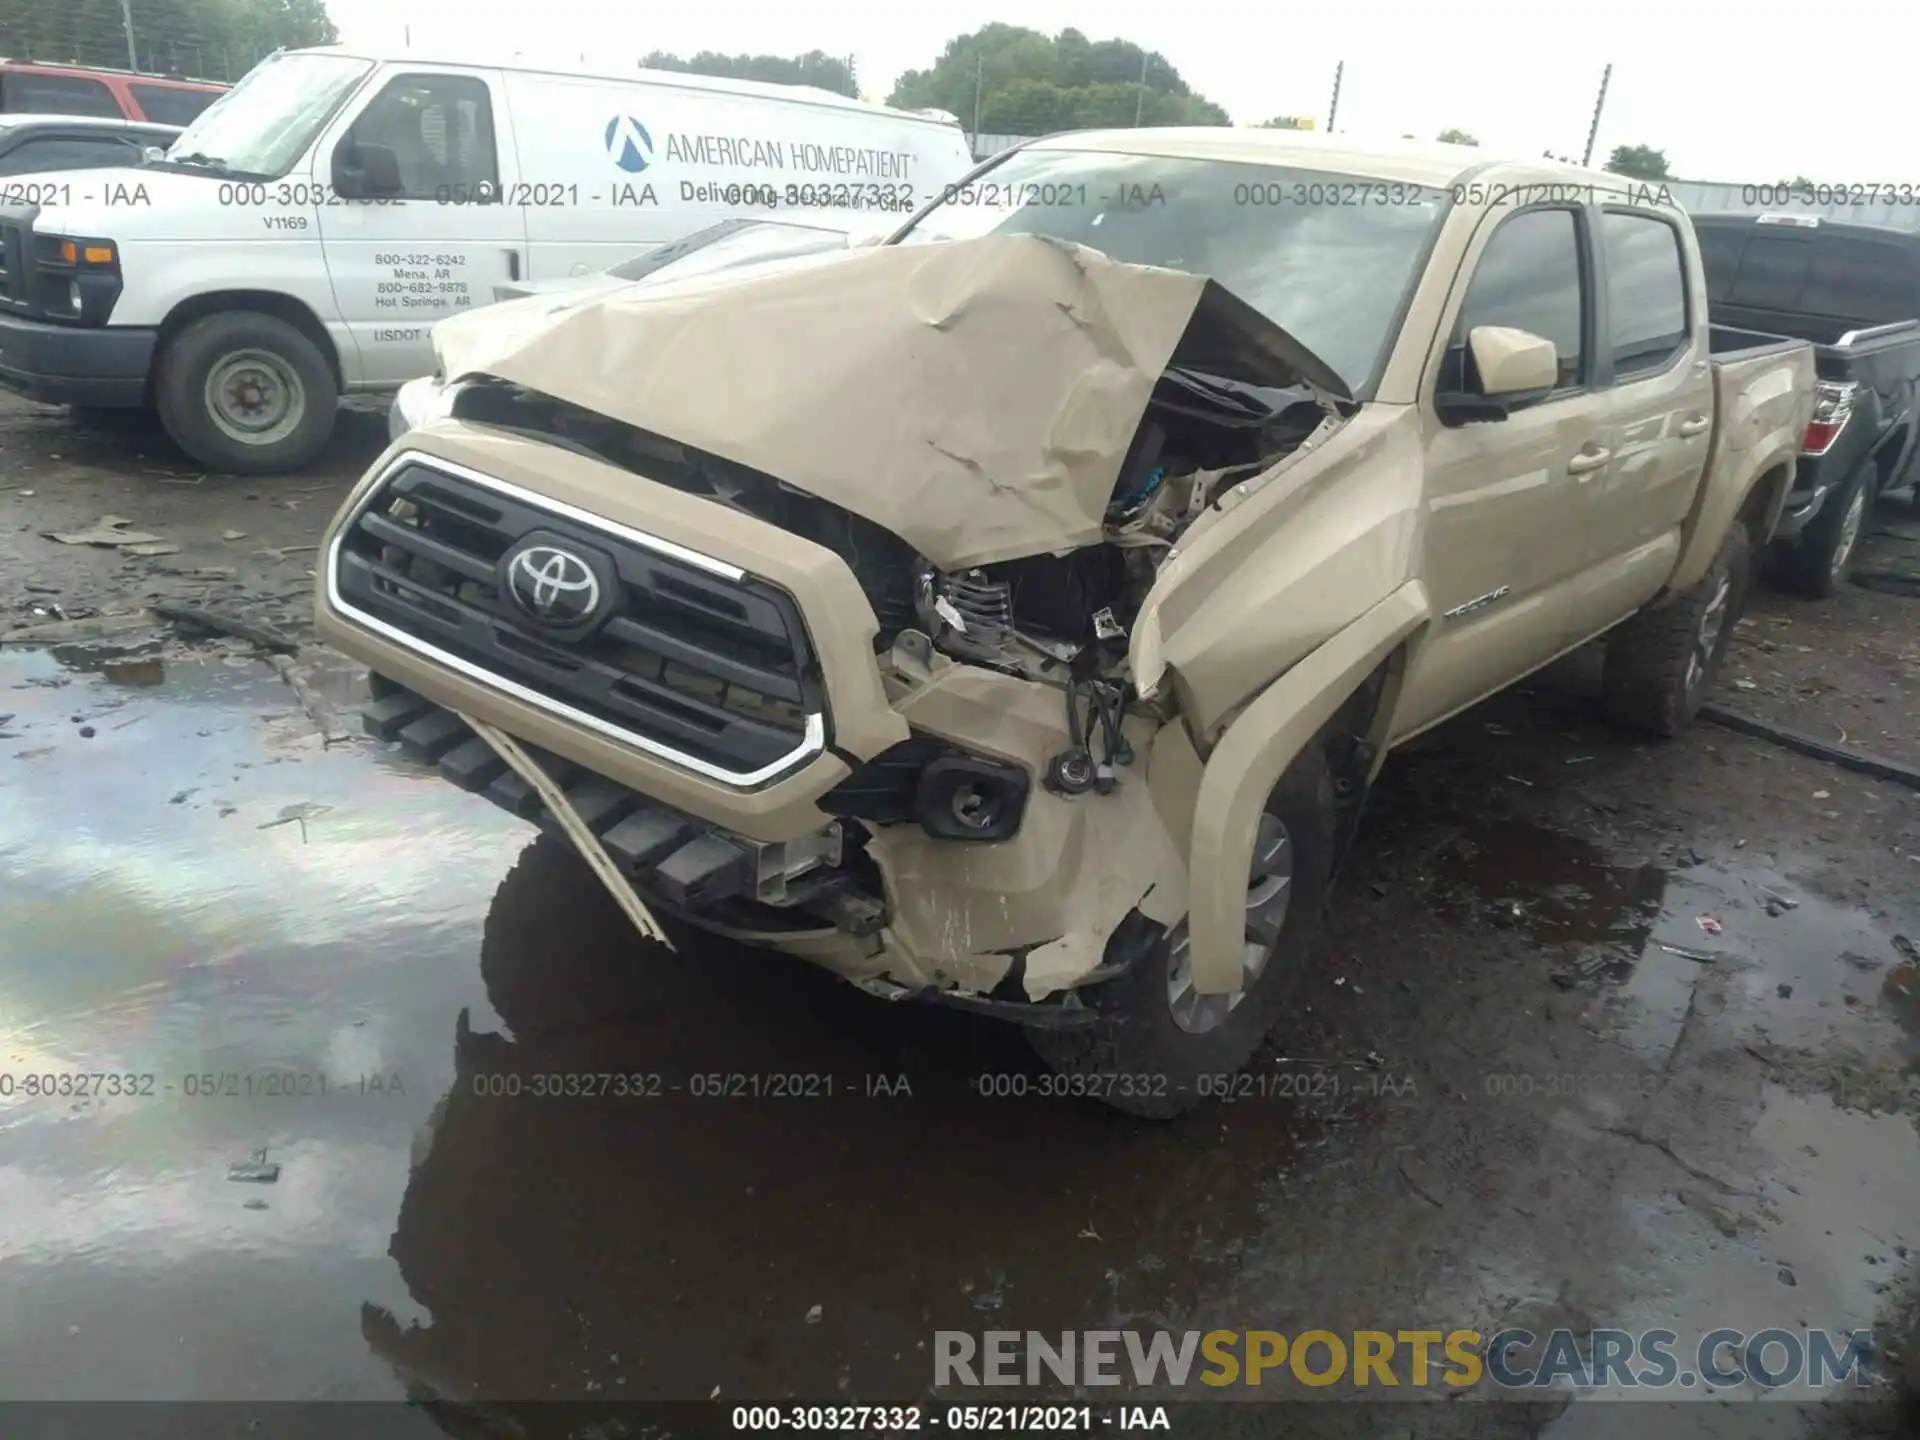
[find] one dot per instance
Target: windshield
(726, 245)
(265, 123)
(1327, 257)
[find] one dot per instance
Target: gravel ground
(1600, 1031)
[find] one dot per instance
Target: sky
(1727, 90)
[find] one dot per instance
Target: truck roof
(1409, 162)
(760, 89)
(144, 77)
(1818, 224)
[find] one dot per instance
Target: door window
(1646, 292)
(66, 152)
(30, 94)
(1529, 277)
(172, 104)
(1865, 280)
(1773, 271)
(440, 130)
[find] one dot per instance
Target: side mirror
(1511, 366)
(363, 171)
(1512, 362)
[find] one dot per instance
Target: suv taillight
(1832, 404)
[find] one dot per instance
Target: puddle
(1647, 934)
(1557, 887)
(1901, 992)
(165, 917)
(919, 1181)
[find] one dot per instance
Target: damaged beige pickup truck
(1015, 614)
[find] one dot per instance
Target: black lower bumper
(74, 365)
(694, 870)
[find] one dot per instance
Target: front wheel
(1160, 1047)
(246, 393)
(1661, 664)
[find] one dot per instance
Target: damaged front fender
(1248, 762)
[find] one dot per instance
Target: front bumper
(954, 917)
(75, 365)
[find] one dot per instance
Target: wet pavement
(1600, 1033)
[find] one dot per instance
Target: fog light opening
(971, 799)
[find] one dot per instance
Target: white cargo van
(303, 235)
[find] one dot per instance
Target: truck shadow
(135, 440)
(690, 1234)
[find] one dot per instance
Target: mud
(1524, 1083)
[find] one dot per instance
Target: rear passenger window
(1529, 278)
(171, 105)
(1865, 280)
(1646, 292)
(56, 95)
(440, 129)
(1720, 256)
(1773, 272)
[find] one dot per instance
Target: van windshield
(1329, 258)
(260, 127)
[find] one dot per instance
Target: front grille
(13, 262)
(691, 660)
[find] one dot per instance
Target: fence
(1704, 196)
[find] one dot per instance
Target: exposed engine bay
(1054, 616)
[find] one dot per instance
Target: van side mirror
(362, 171)
(1510, 367)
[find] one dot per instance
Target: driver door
(1504, 542)
(432, 238)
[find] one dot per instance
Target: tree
(816, 68)
(1639, 162)
(212, 39)
(1008, 80)
(202, 39)
(1450, 136)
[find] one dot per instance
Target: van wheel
(1160, 1048)
(1822, 558)
(1661, 664)
(246, 393)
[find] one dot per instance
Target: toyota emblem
(554, 586)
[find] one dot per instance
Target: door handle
(513, 264)
(1694, 425)
(1587, 461)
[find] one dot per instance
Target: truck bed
(1762, 385)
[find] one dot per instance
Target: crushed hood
(976, 397)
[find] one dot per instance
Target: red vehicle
(29, 88)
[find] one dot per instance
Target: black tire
(1147, 1063)
(267, 358)
(1820, 561)
(1649, 681)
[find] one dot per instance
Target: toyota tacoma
(1015, 614)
